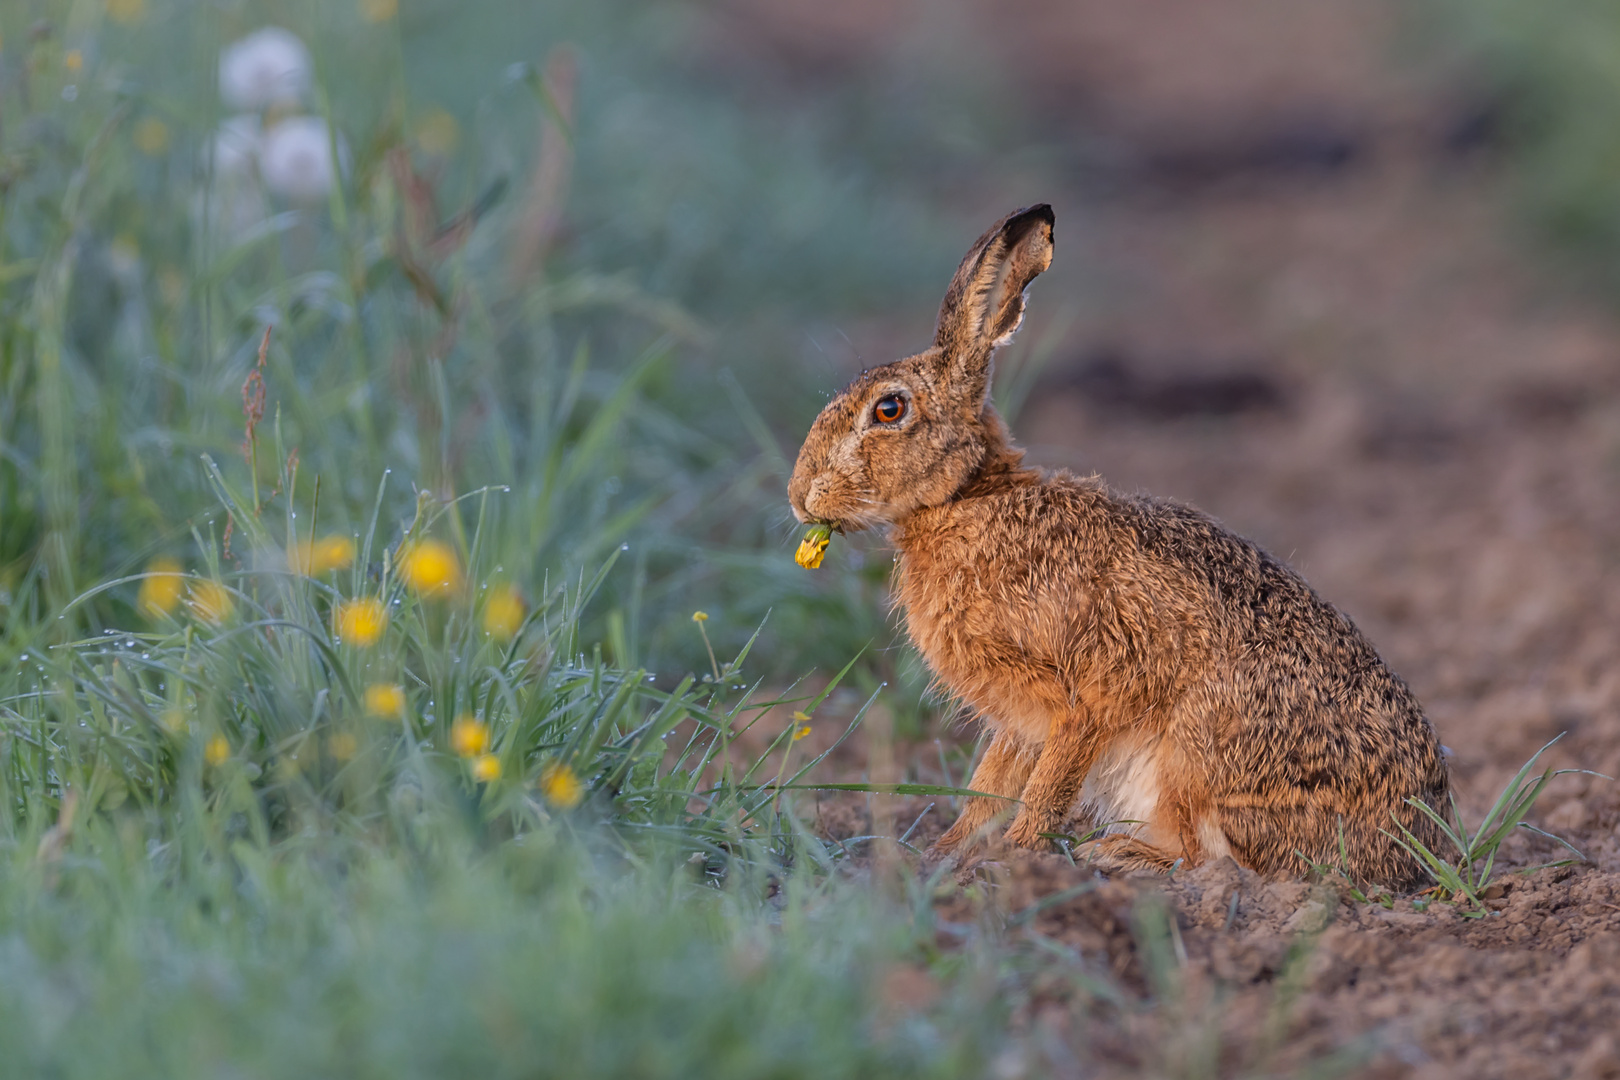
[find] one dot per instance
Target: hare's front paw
(951, 844)
(1026, 831)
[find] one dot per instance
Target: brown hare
(1128, 654)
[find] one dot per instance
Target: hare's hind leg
(1127, 853)
(1003, 771)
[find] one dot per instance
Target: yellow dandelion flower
(73, 60)
(217, 751)
(800, 732)
(503, 612)
(813, 546)
(126, 11)
(561, 787)
(151, 136)
(160, 590)
(360, 622)
(342, 746)
(437, 133)
(378, 11)
(700, 616)
(211, 602)
(469, 736)
(385, 701)
(486, 767)
(430, 567)
(327, 553)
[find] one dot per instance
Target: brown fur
(1128, 653)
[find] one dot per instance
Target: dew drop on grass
(624, 547)
(146, 656)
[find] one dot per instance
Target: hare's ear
(985, 302)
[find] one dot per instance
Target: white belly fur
(1121, 792)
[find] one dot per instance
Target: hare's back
(1292, 678)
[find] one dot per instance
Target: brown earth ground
(1300, 309)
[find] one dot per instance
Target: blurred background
(1341, 273)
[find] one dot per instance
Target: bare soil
(1298, 305)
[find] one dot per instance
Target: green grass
(608, 386)
(449, 956)
(1463, 874)
(217, 852)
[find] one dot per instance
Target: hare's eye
(889, 409)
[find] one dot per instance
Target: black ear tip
(1020, 222)
(1040, 212)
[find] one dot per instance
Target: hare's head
(912, 433)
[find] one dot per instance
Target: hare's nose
(817, 492)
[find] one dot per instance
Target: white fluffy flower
(295, 159)
(268, 67)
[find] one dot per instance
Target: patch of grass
(446, 956)
(1464, 874)
(681, 234)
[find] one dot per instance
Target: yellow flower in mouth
(469, 736)
(385, 700)
(503, 612)
(217, 751)
(211, 602)
(486, 767)
(430, 568)
(360, 622)
(327, 553)
(561, 787)
(813, 546)
(160, 591)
